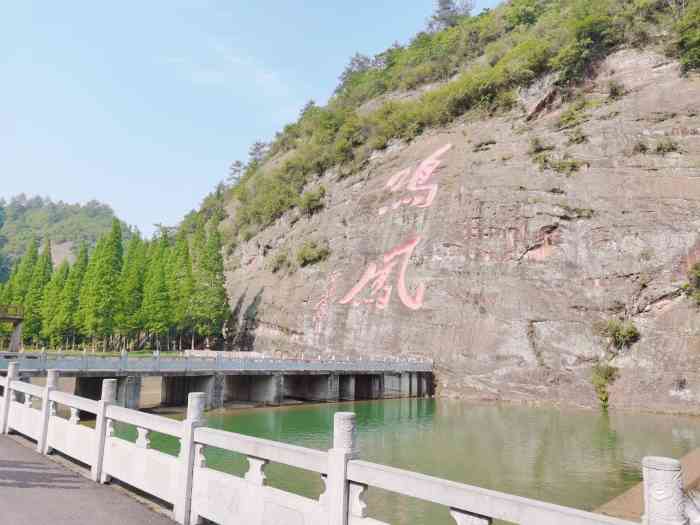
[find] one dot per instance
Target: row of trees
(167, 292)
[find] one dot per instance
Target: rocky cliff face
(497, 254)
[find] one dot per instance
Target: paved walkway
(37, 491)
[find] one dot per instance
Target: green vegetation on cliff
(23, 219)
(478, 63)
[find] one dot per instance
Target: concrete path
(35, 490)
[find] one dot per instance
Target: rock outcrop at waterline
(498, 245)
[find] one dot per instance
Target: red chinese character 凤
(380, 289)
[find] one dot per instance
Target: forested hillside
(65, 225)
(162, 293)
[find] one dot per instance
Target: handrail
(497, 505)
(27, 388)
(70, 400)
(300, 457)
(152, 422)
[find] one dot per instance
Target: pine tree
(102, 300)
(156, 301)
(67, 321)
(447, 14)
(22, 278)
(210, 303)
(129, 319)
(87, 318)
(35, 294)
(181, 281)
(51, 303)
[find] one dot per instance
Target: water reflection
(576, 458)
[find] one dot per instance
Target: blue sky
(143, 105)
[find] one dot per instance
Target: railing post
(108, 397)
(196, 402)
(663, 492)
(12, 375)
(344, 449)
(42, 445)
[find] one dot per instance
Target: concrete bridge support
(174, 390)
(369, 386)
(265, 389)
(392, 386)
(346, 388)
(128, 391)
(318, 388)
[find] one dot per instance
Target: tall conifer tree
(35, 294)
(51, 302)
(66, 321)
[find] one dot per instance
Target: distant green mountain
(66, 225)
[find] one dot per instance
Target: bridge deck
(36, 490)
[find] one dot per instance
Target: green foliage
(591, 36)
(574, 115)
(486, 58)
(311, 253)
(689, 38)
(577, 136)
(667, 145)
(312, 201)
(621, 334)
(38, 218)
(280, 262)
(616, 90)
(602, 376)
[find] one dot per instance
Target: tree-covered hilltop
(24, 218)
(471, 65)
(165, 293)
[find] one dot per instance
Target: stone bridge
(260, 380)
(14, 315)
(196, 492)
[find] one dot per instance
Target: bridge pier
(128, 391)
(175, 389)
(392, 386)
(313, 387)
(346, 388)
(266, 389)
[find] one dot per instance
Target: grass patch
(620, 334)
(312, 201)
(281, 262)
(602, 376)
(577, 136)
(312, 253)
(666, 146)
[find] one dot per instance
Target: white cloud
(220, 64)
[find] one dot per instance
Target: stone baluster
(196, 402)
(8, 396)
(663, 492)
(256, 470)
(463, 517)
(48, 409)
(358, 503)
(28, 400)
(103, 429)
(344, 449)
(74, 416)
(143, 441)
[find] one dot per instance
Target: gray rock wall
(460, 247)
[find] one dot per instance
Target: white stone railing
(197, 492)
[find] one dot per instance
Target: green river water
(576, 458)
